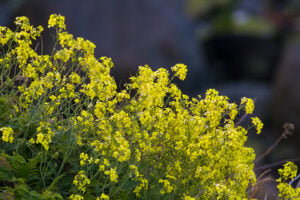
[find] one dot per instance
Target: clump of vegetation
(67, 132)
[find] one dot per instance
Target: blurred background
(240, 47)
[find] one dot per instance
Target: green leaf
(16, 161)
(54, 182)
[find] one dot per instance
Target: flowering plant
(68, 132)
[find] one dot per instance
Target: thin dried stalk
(288, 130)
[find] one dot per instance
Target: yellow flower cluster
(150, 136)
(258, 124)
(142, 186)
(167, 188)
(76, 197)
(44, 135)
(288, 173)
(83, 158)
(188, 198)
(7, 134)
(249, 107)
(5, 35)
(180, 71)
(103, 197)
(81, 181)
(112, 175)
(57, 20)
(75, 78)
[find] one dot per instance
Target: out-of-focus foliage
(202, 7)
(224, 16)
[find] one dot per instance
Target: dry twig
(260, 181)
(288, 130)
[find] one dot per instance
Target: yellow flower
(180, 71)
(106, 162)
(44, 135)
(81, 180)
(22, 21)
(83, 158)
(142, 185)
(258, 124)
(57, 20)
(74, 77)
(112, 174)
(7, 134)
(167, 188)
(101, 168)
(249, 105)
(188, 198)
(5, 35)
(31, 141)
(52, 97)
(103, 197)
(287, 176)
(66, 39)
(76, 197)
